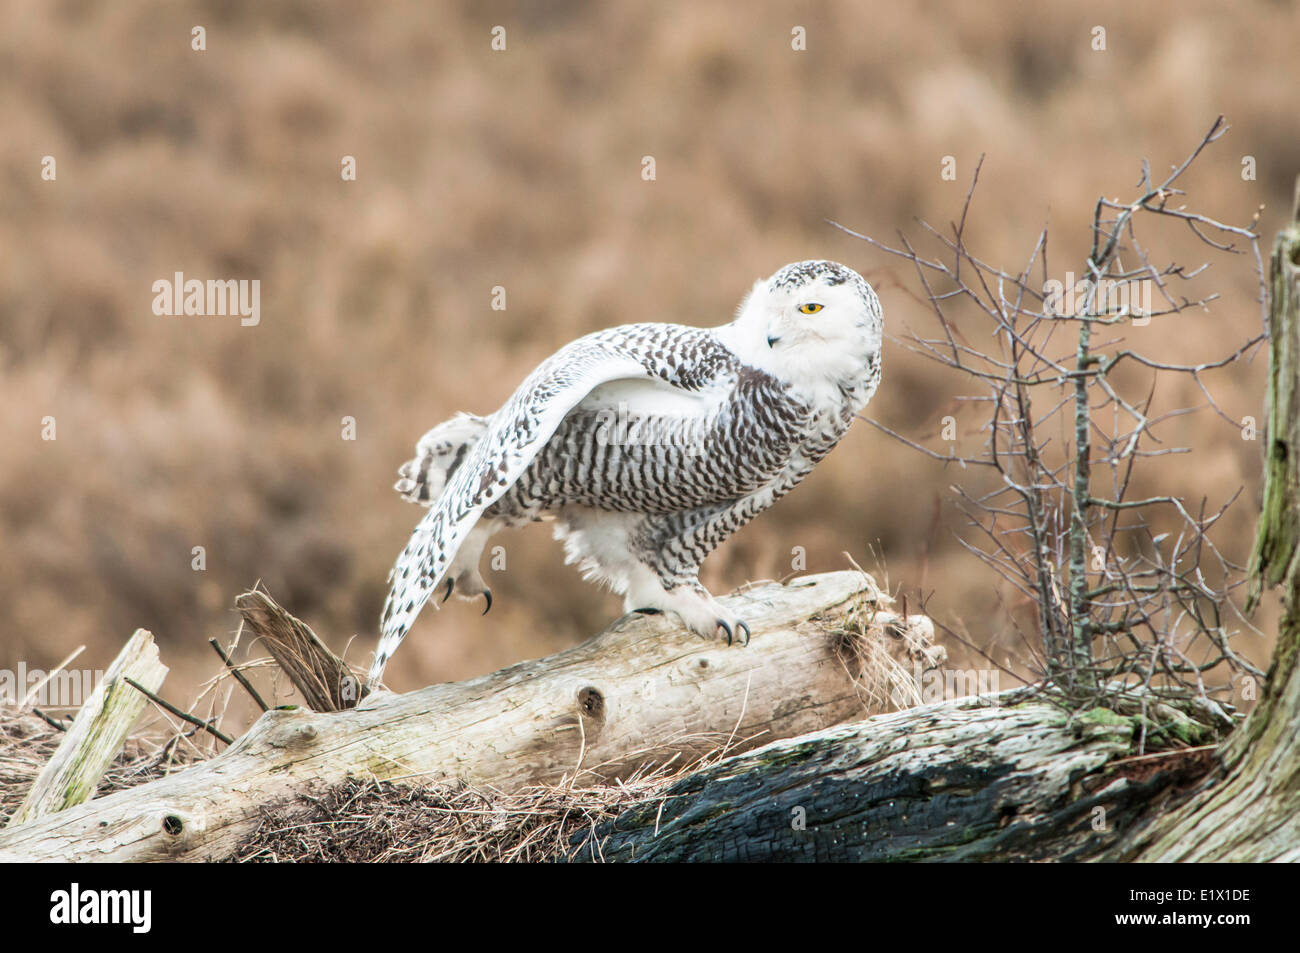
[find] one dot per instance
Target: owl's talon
(451, 584)
(487, 594)
(734, 633)
(741, 625)
(649, 611)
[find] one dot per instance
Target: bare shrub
(1124, 591)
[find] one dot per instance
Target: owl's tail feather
(437, 455)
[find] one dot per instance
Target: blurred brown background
(522, 169)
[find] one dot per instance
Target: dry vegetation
(26, 744)
(378, 822)
(522, 169)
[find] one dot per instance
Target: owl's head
(815, 324)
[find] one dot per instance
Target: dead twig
(183, 715)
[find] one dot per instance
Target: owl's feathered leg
(671, 548)
(627, 552)
(686, 599)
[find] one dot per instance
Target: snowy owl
(648, 444)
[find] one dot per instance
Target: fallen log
(993, 778)
(825, 649)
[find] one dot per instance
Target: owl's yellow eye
(810, 308)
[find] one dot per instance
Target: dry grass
(884, 655)
(522, 169)
(27, 742)
(368, 821)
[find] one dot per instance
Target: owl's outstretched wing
(636, 356)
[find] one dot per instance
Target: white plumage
(649, 444)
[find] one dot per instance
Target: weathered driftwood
(641, 693)
(993, 778)
(97, 733)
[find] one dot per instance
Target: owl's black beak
(771, 340)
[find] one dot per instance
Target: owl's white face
(814, 324)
